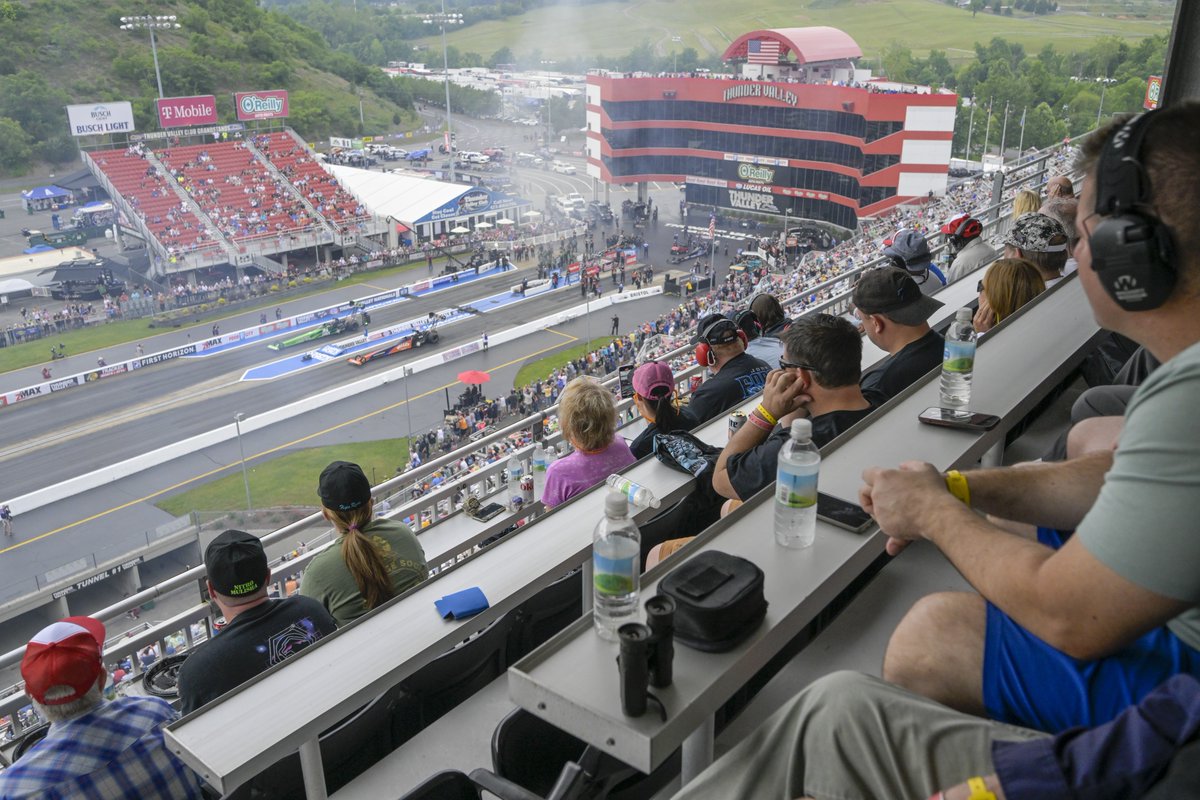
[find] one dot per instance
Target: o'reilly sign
(97, 119)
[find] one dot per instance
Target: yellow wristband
(956, 482)
(766, 414)
(979, 790)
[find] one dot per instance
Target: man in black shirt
(894, 311)
(735, 375)
(259, 632)
(818, 378)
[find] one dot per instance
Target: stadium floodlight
(152, 23)
(443, 20)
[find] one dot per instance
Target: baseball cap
(893, 293)
(343, 486)
(66, 653)
(712, 331)
(653, 379)
(910, 247)
(236, 564)
(1037, 233)
(963, 225)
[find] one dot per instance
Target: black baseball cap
(892, 292)
(344, 486)
(236, 564)
(716, 329)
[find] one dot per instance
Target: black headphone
(1131, 248)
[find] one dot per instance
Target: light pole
(675, 53)
(237, 422)
(151, 23)
(442, 20)
(407, 409)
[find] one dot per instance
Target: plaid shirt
(113, 751)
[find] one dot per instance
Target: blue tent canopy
(45, 192)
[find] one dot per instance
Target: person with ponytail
(654, 397)
(373, 559)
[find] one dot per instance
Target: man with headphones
(734, 374)
(967, 246)
(1086, 614)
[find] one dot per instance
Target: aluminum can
(736, 420)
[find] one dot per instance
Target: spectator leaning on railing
(1069, 629)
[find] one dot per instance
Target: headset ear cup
(745, 339)
(703, 353)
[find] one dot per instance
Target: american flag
(760, 51)
(712, 226)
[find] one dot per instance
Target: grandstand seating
(232, 184)
(296, 161)
(146, 189)
(235, 189)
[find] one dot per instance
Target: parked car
(563, 167)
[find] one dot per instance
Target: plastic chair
(448, 785)
(539, 618)
(561, 766)
(347, 750)
(451, 678)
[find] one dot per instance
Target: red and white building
(797, 129)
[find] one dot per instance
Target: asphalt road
(46, 441)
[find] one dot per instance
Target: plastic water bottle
(515, 500)
(634, 492)
(796, 488)
(537, 465)
(616, 568)
(958, 361)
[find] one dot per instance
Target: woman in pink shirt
(587, 415)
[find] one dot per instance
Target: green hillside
(56, 52)
(565, 32)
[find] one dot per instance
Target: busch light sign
(261, 105)
(97, 119)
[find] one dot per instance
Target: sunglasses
(784, 364)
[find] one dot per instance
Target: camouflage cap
(1037, 233)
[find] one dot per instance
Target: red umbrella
(474, 376)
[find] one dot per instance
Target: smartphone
(625, 380)
(842, 513)
(487, 512)
(963, 420)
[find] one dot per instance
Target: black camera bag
(718, 598)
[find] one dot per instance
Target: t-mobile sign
(175, 112)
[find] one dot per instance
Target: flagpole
(971, 128)
(712, 249)
(1004, 133)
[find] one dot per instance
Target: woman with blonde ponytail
(373, 560)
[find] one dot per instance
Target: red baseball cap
(67, 653)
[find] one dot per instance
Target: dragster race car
(334, 327)
(409, 342)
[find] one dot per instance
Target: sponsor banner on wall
(97, 119)
(261, 105)
(106, 372)
(175, 112)
(1153, 92)
(215, 131)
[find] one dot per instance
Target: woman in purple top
(587, 415)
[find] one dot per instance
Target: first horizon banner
(177, 112)
(261, 105)
(97, 119)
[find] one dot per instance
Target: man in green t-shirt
(1070, 629)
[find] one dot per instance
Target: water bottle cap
(615, 505)
(964, 315)
(801, 429)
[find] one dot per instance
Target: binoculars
(647, 653)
